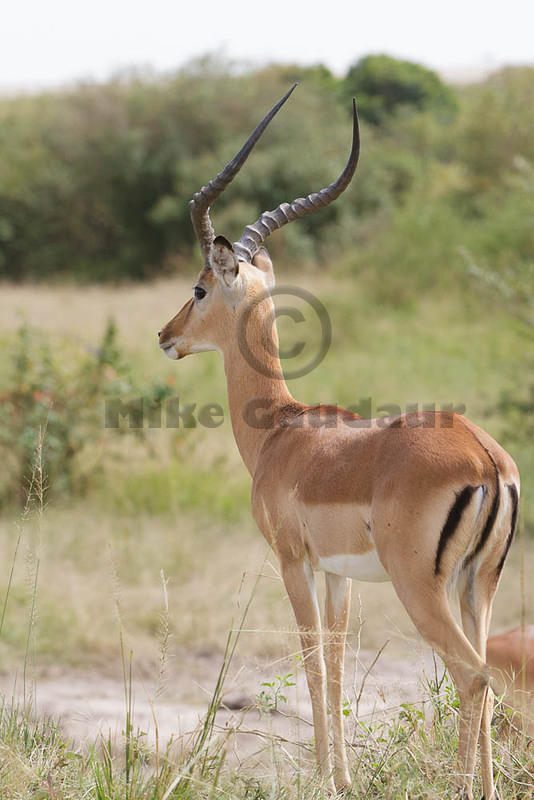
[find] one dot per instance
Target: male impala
(428, 501)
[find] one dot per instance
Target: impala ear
(262, 261)
(224, 261)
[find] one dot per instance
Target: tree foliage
(383, 84)
(95, 180)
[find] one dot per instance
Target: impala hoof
(343, 786)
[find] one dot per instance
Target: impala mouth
(169, 349)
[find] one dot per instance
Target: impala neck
(256, 393)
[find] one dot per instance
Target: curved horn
(200, 204)
(270, 221)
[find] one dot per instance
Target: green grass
(178, 490)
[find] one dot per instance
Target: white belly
(366, 567)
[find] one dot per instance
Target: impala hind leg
(300, 587)
(476, 600)
(336, 619)
(428, 606)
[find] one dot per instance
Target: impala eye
(199, 293)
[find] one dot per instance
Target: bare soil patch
(89, 705)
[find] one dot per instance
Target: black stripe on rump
(490, 522)
(514, 497)
(453, 520)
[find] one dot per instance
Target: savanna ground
(133, 585)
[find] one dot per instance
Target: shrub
(63, 396)
(383, 84)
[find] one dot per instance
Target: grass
(182, 506)
(408, 754)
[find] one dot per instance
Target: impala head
(234, 275)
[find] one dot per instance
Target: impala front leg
(300, 586)
(336, 619)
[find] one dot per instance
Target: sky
(50, 43)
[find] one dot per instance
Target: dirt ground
(89, 705)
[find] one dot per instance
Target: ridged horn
(200, 204)
(270, 221)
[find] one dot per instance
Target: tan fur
(511, 658)
(327, 484)
(513, 653)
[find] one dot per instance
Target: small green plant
(268, 699)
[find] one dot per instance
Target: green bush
(64, 397)
(496, 126)
(95, 180)
(383, 84)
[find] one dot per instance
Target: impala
(512, 653)
(427, 501)
(511, 658)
